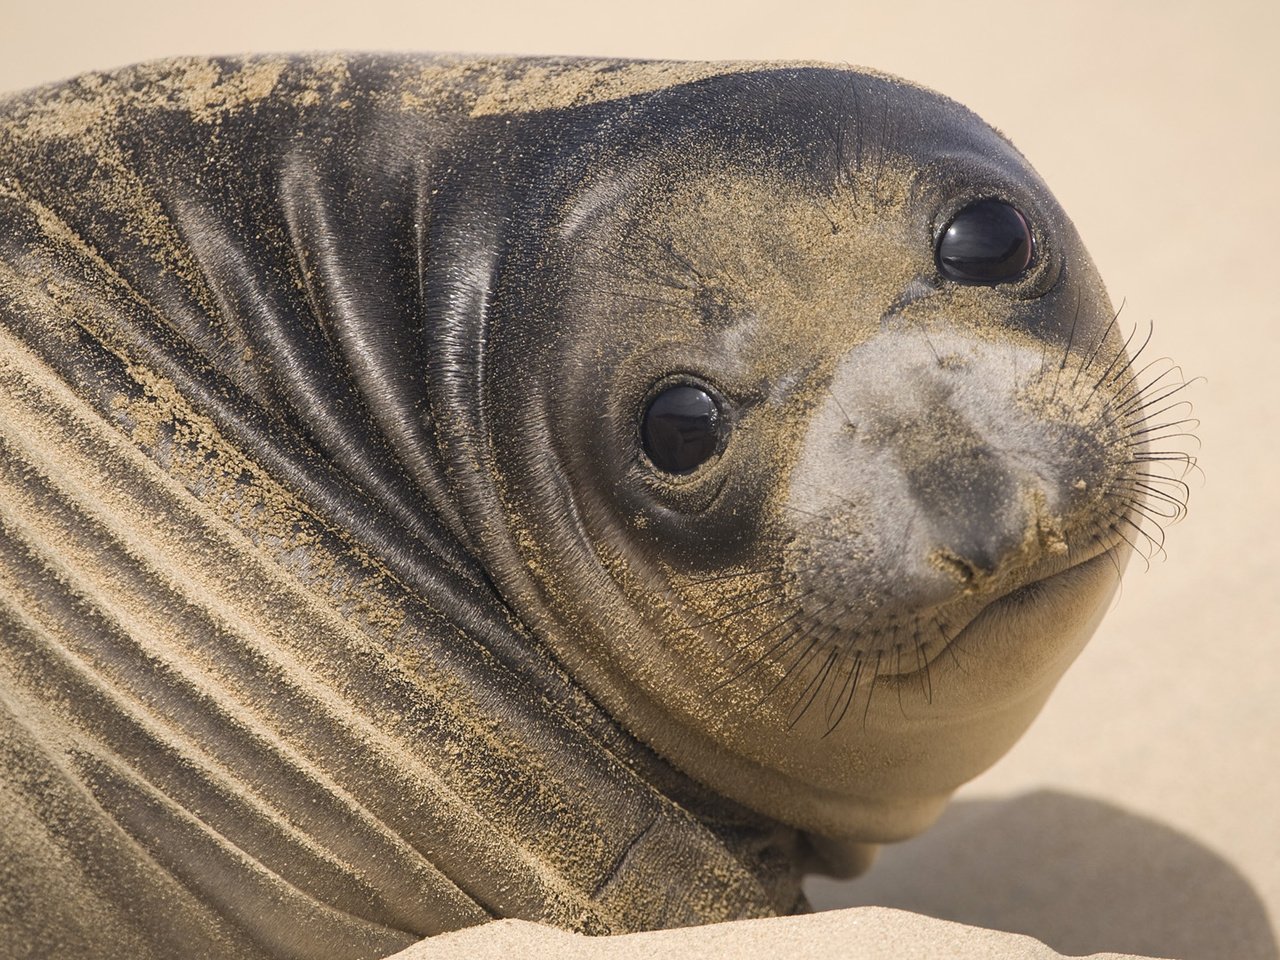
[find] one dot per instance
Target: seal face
(818, 606)
(442, 489)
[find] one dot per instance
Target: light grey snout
(938, 466)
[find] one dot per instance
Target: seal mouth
(1045, 589)
(825, 673)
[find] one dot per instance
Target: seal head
(899, 454)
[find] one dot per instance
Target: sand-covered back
(1138, 815)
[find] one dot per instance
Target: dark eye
(986, 242)
(681, 428)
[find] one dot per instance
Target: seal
(437, 489)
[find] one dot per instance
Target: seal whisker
(795, 638)
(827, 538)
(1140, 489)
(748, 666)
(807, 513)
(1141, 393)
(802, 639)
(809, 647)
(1131, 362)
(798, 611)
(787, 642)
(816, 202)
(1160, 478)
(751, 643)
(834, 689)
(1156, 477)
(952, 648)
(1134, 409)
(1140, 374)
(1137, 420)
(1146, 560)
(1188, 461)
(927, 679)
(1120, 353)
(1066, 353)
(1130, 433)
(836, 134)
(1109, 553)
(871, 687)
(898, 685)
(1143, 397)
(687, 266)
(1098, 346)
(737, 612)
(1156, 390)
(817, 683)
(1139, 486)
(829, 491)
(843, 412)
(731, 576)
(1191, 422)
(812, 534)
(1157, 546)
(924, 332)
(1182, 434)
(1144, 509)
(847, 693)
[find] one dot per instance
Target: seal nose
(966, 495)
(952, 438)
(932, 477)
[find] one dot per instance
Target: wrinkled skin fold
(340, 605)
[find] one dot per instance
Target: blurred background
(1142, 811)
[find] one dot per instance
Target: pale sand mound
(863, 933)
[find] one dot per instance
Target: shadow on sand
(1080, 875)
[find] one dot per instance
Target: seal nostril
(971, 561)
(955, 566)
(973, 506)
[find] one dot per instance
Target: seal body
(352, 586)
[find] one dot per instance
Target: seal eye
(986, 242)
(681, 428)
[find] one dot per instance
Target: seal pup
(437, 489)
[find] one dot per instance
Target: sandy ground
(1140, 813)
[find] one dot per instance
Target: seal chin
(917, 735)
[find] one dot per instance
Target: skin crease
(342, 605)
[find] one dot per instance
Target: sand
(1139, 813)
(870, 933)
